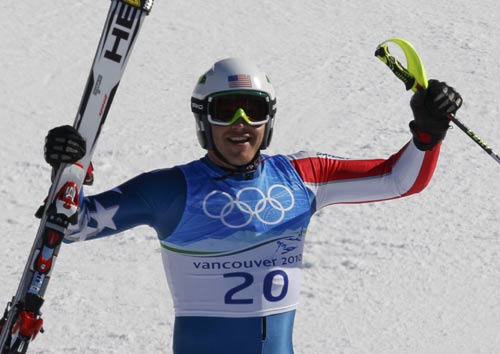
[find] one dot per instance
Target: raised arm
(335, 180)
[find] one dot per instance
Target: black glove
(431, 109)
(64, 145)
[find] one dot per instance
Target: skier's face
(238, 142)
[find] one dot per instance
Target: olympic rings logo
(250, 202)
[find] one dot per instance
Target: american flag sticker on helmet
(236, 81)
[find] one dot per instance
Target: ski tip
(144, 5)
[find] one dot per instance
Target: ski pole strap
(399, 70)
(415, 78)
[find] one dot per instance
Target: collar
(248, 172)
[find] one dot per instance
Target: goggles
(226, 108)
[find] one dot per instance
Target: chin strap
(246, 169)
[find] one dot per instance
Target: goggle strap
(272, 107)
(199, 106)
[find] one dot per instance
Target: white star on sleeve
(104, 217)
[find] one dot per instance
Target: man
(232, 224)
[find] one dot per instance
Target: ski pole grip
(396, 67)
(415, 78)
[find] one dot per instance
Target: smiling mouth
(239, 140)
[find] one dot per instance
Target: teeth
(239, 139)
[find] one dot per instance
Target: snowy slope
(418, 275)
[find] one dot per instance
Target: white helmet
(231, 76)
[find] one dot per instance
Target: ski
(22, 320)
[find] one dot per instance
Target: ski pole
(474, 137)
(417, 80)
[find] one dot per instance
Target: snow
(417, 275)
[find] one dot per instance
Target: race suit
(232, 243)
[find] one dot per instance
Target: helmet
(231, 75)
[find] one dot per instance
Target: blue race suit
(232, 244)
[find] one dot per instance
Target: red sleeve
(337, 180)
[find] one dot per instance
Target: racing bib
(237, 251)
